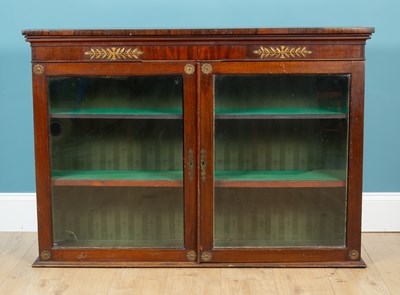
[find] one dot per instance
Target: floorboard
(381, 252)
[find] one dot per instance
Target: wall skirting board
(380, 212)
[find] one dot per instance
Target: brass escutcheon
(203, 164)
(190, 164)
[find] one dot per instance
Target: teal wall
(382, 119)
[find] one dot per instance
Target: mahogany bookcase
(199, 147)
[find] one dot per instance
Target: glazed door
(275, 166)
(122, 162)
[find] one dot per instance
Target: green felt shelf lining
(279, 111)
(117, 175)
(117, 111)
(314, 175)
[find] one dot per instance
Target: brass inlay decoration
(189, 69)
(203, 164)
(45, 255)
(190, 165)
(354, 255)
(38, 69)
(114, 53)
(191, 256)
(206, 256)
(206, 69)
(282, 52)
(81, 256)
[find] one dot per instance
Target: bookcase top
(366, 32)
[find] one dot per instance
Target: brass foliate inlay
(282, 52)
(206, 256)
(45, 255)
(206, 69)
(81, 256)
(191, 256)
(354, 255)
(114, 53)
(38, 69)
(189, 69)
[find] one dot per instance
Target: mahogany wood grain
(129, 264)
(207, 146)
(228, 51)
(355, 162)
(190, 146)
(42, 163)
(227, 32)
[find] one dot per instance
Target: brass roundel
(45, 255)
(38, 69)
(354, 255)
(206, 256)
(206, 69)
(189, 69)
(191, 256)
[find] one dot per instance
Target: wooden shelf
(117, 178)
(280, 113)
(314, 178)
(175, 244)
(115, 113)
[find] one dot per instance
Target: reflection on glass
(281, 94)
(116, 95)
(284, 217)
(118, 217)
(118, 144)
(105, 130)
(273, 134)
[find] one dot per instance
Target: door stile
(206, 165)
(190, 161)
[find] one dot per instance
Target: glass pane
(115, 95)
(281, 95)
(268, 217)
(118, 217)
(280, 160)
(113, 141)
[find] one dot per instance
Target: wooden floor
(381, 252)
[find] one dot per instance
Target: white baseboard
(380, 212)
(18, 212)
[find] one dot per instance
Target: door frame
(113, 256)
(349, 255)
